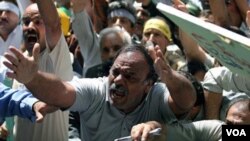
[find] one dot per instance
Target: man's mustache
(3, 20)
(119, 89)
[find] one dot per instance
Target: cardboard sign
(231, 49)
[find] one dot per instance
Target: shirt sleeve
(89, 93)
(221, 78)
(88, 40)
(212, 81)
(16, 102)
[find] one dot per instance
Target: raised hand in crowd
(27, 66)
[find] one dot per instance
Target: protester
(54, 58)
(122, 13)
(128, 96)
(235, 109)
(111, 40)
(157, 32)
(10, 28)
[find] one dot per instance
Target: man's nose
(3, 14)
(117, 22)
(31, 24)
(112, 54)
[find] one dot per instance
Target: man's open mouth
(3, 21)
(31, 36)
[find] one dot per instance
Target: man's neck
(4, 36)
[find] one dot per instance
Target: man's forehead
(131, 59)
(31, 10)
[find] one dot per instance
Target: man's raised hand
(23, 68)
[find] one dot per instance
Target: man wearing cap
(122, 13)
(157, 32)
(10, 29)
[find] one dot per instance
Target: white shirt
(55, 125)
(14, 39)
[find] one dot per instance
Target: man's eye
(26, 22)
(115, 72)
(105, 49)
(37, 22)
(146, 34)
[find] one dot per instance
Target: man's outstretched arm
(46, 87)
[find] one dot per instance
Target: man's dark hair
(195, 66)
(140, 48)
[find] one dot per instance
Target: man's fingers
(17, 53)
(36, 52)
(145, 134)
(136, 132)
(39, 117)
(11, 58)
(11, 75)
(160, 55)
(10, 65)
(151, 52)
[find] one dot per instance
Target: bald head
(239, 112)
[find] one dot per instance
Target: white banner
(231, 49)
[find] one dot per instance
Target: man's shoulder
(159, 87)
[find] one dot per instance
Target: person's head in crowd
(197, 69)
(239, 112)
(131, 77)
(9, 18)
(111, 40)
(158, 32)
(142, 16)
(33, 28)
(122, 13)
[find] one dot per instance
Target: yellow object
(160, 25)
(65, 22)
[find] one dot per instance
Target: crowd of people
(92, 70)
